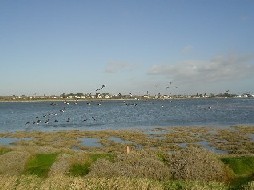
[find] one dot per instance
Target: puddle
(119, 140)
(75, 148)
(207, 146)
(11, 140)
(182, 145)
(138, 147)
(92, 142)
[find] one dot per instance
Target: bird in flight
(102, 86)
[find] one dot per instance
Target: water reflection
(91, 142)
(11, 140)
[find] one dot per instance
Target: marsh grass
(243, 165)
(80, 169)
(138, 164)
(13, 162)
(83, 168)
(198, 164)
(194, 185)
(243, 168)
(40, 164)
(4, 150)
(59, 182)
(233, 140)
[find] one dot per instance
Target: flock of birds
(62, 116)
(47, 117)
(57, 116)
(51, 117)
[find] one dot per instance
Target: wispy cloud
(220, 68)
(116, 66)
(187, 49)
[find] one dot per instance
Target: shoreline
(121, 99)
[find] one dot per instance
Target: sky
(130, 46)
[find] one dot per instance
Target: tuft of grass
(82, 169)
(40, 164)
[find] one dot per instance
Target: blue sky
(55, 46)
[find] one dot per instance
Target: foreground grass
(40, 164)
(35, 176)
(30, 182)
(48, 160)
(243, 168)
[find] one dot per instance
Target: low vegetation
(159, 161)
(83, 168)
(243, 168)
(4, 150)
(133, 165)
(40, 164)
(197, 164)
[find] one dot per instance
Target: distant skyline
(133, 46)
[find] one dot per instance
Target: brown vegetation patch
(13, 162)
(134, 165)
(196, 164)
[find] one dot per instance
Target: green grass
(243, 168)
(4, 150)
(80, 169)
(83, 168)
(40, 164)
(240, 165)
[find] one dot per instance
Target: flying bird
(102, 86)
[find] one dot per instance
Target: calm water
(125, 115)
